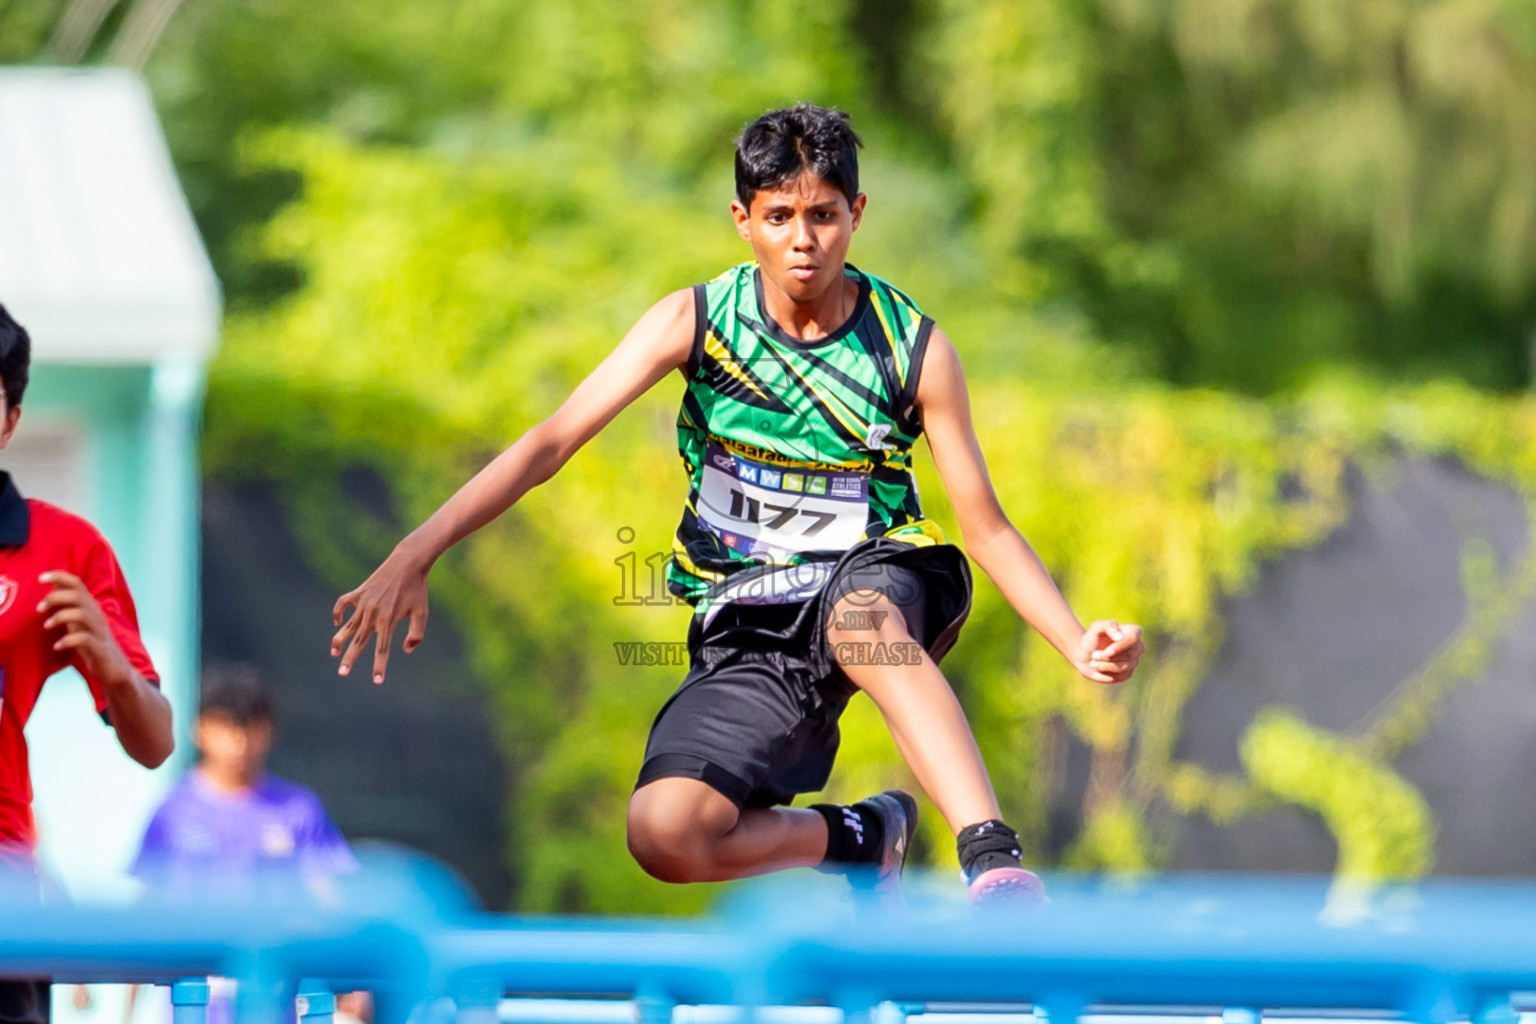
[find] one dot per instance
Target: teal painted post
(171, 541)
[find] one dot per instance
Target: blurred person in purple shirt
(228, 831)
(227, 828)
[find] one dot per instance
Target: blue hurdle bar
(1242, 946)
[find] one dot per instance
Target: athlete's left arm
(1106, 651)
(138, 711)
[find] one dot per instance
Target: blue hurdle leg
(1497, 1011)
(654, 1006)
(890, 1013)
(477, 1001)
(1062, 1006)
(315, 1003)
(1436, 1000)
(189, 1001)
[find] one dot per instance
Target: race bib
(756, 507)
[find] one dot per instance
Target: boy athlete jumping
(802, 546)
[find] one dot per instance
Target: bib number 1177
(747, 509)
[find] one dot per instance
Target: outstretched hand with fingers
(396, 590)
(1109, 652)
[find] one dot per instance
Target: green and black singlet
(795, 450)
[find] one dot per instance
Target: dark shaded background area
(1333, 631)
(414, 761)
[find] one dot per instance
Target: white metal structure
(98, 252)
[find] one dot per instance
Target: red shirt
(35, 538)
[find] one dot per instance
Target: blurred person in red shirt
(63, 604)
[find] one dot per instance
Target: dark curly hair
(783, 144)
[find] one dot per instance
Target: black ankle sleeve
(853, 834)
(987, 845)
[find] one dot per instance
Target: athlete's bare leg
(683, 830)
(920, 709)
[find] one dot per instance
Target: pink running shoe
(1007, 889)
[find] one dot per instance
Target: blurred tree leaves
(1235, 193)
(657, 87)
(25, 26)
(1246, 191)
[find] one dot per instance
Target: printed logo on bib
(8, 589)
(754, 507)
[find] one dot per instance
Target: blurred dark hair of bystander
(235, 692)
(15, 358)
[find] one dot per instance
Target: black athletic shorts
(25, 1002)
(756, 716)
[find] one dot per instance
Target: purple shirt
(277, 832)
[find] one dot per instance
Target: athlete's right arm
(660, 342)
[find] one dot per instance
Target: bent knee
(672, 840)
(663, 847)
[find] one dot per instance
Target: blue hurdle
(1233, 947)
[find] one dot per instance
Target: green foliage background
(1199, 256)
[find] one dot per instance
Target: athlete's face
(800, 233)
(234, 755)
